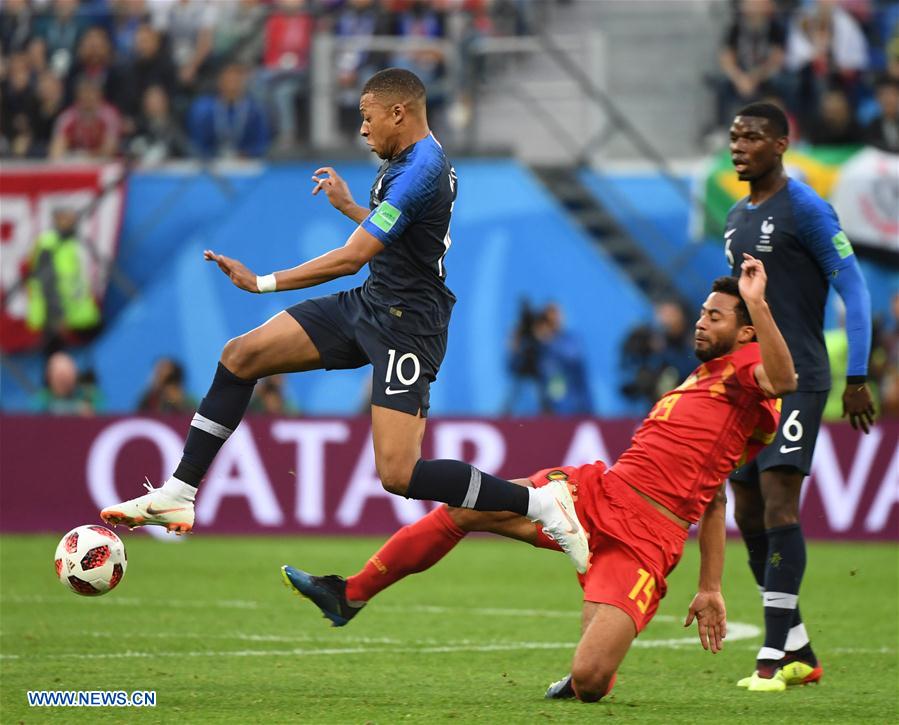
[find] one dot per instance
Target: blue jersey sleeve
(408, 192)
(820, 232)
(850, 285)
(819, 229)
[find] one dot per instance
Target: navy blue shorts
(800, 420)
(348, 334)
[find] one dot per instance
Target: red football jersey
(695, 435)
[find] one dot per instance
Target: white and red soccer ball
(90, 560)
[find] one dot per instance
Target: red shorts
(633, 547)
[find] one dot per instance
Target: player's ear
(782, 144)
(745, 334)
(398, 112)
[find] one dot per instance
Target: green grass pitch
(207, 624)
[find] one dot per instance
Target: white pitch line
(423, 646)
(138, 602)
(330, 651)
(426, 646)
(249, 604)
(299, 652)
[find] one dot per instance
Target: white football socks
(536, 504)
(179, 491)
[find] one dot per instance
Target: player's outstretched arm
(776, 375)
(338, 193)
(707, 607)
(345, 260)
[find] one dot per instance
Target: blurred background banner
(291, 476)
(29, 195)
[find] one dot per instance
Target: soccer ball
(90, 560)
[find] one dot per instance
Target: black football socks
(220, 412)
(459, 484)
(783, 576)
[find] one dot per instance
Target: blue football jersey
(412, 201)
(797, 236)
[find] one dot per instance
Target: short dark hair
(396, 84)
(775, 116)
(730, 286)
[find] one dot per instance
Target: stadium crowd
(833, 65)
(161, 79)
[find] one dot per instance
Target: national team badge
(764, 244)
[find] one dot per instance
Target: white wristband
(266, 283)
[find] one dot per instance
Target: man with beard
(638, 511)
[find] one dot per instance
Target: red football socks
(544, 542)
(413, 548)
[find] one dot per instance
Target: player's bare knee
(777, 516)
(591, 684)
(395, 475)
(238, 357)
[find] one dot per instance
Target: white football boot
(156, 508)
(560, 522)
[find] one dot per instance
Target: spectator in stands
(90, 127)
(128, 16)
(189, 26)
(834, 123)
(64, 392)
(95, 63)
(50, 105)
(166, 393)
(157, 135)
(237, 36)
(36, 51)
(27, 128)
(16, 26)
(883, 131)
(358, 19)
(231, 123)
(19, 106)
(751, 57)
(61, 30)
(61, 304)
(149, 66)
(269, 398)
(562, 365)
(288, 42)
(826, 47)
(422, 21)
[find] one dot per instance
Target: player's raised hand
(335, 188)
(753, 279)
(857, 404)
(708, 609)
(237, 272)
